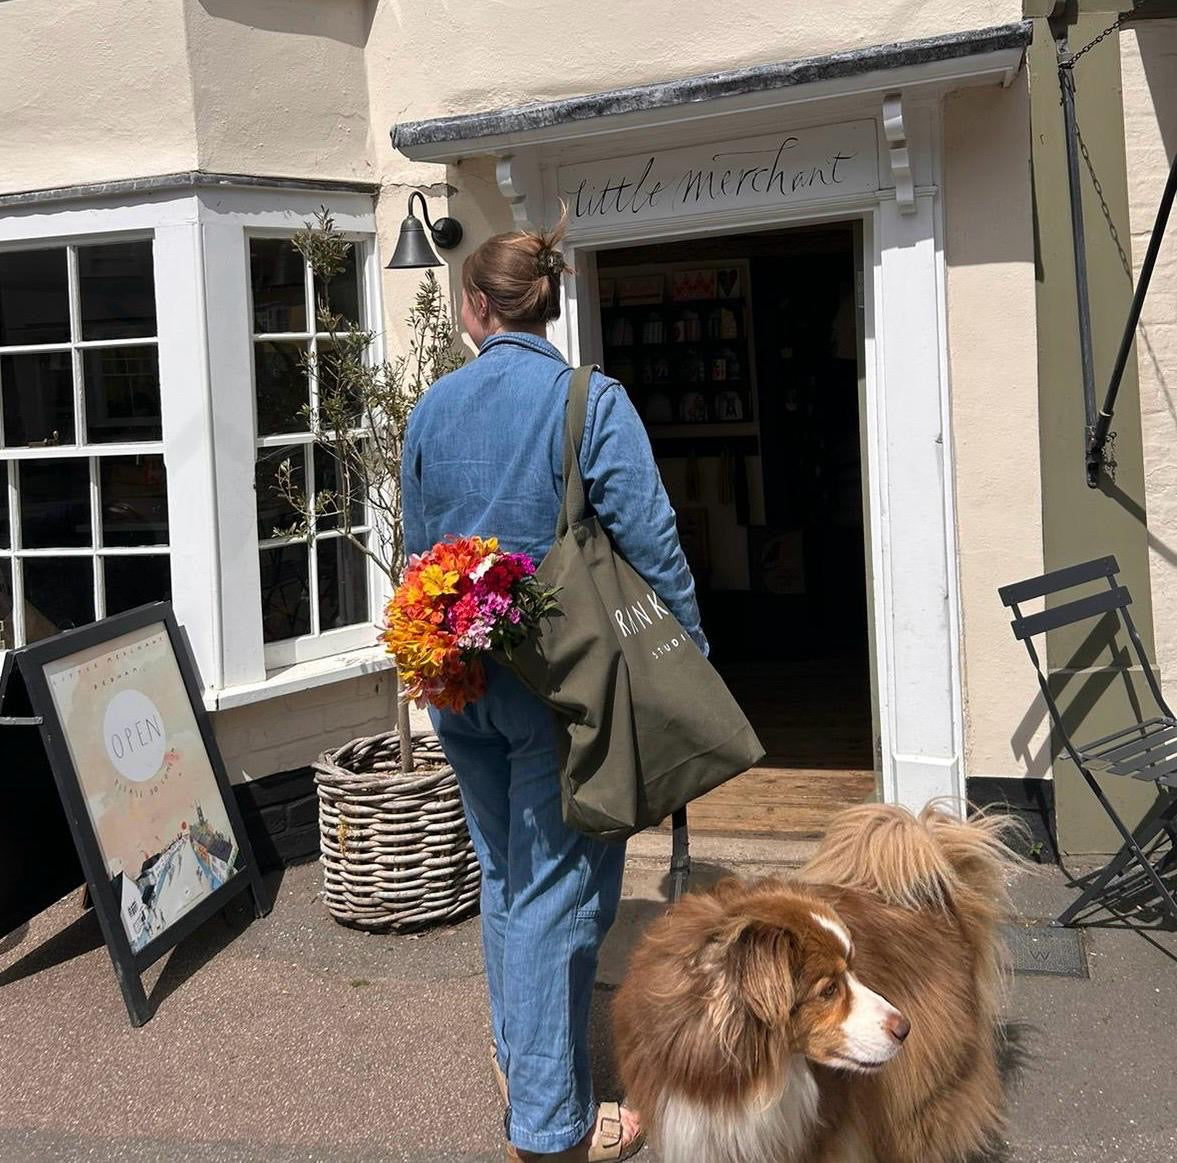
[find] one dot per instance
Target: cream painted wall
(280, 87)
(506, 52)
(992, 349)
(1148, 61)
(93, 90)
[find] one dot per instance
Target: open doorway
(743, 355)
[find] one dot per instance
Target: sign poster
(145, 776)
(784, 169)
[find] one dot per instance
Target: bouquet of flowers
(459, 601)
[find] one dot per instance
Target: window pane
(135, 581)
(7, 630)
(273, 511)
(340, 405)
(55, 503)
(134, 500)
(38, 394)
(59, 594)
(117, 287)
(343, 583)
(277, 273)
(286, 594)
(122, 394)
(34, 297)
(282, 388)
(343, 291)
(5, 530)
(328, 478)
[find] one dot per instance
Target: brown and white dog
(849, 1016)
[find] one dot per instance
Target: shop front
(760, 260)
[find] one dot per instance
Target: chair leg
(1159, 819)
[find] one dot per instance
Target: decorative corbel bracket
(519, 182)
(898, 153)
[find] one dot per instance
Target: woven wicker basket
(395, 850)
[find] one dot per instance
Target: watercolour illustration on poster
(145, 775)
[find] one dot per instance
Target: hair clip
(549, 262)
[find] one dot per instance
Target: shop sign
(791, 168)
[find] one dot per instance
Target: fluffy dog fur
(767, 1022)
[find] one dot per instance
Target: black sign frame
(27, 664)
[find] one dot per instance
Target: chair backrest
(1115, 598)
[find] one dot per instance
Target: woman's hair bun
(519, 274)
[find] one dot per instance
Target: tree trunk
(402, 725)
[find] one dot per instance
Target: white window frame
(79, 449)
(204, 330)
(317, 644)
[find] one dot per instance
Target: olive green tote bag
(644, 722)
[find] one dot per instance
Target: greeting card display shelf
(678, 336)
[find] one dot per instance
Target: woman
(483, 456)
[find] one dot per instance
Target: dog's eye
(830, 991)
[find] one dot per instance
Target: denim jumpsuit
(483, 456)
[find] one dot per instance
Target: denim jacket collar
(521, 339)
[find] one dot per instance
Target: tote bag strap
(573, 510)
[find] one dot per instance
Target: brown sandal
(604, 1145)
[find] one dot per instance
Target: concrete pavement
(294, 1039)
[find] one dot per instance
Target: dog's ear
(757, 962)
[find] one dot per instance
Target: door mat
(1043, 948)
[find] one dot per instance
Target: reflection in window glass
(55, 504)
(134, 500)
(5, 527)
(59, 594)
(283, 388)
(38, 398)
(122, 394)
(278, 278)
(274, 514)
(286, 595)
(117, 288)
(343, 293)
(135, 581)
(343, 583)
(34, 297)
(328, 478)
(7, 628)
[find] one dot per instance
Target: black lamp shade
(412, 247)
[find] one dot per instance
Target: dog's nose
(898, 1027)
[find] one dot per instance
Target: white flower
(479, 571)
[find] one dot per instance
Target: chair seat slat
(1088, 607)
(1152, 739)
(1058, 579)
(1156, 773)
(1087, 748)
(1136, 765)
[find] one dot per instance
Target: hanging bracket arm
(1099, 433)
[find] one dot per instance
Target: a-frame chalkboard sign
(112, 777)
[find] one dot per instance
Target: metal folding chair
(1145, 750)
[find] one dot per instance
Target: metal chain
(1069, 62)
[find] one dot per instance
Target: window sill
(301, 676)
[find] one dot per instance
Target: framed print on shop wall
(153, 817)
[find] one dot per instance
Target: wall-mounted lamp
(412, 247)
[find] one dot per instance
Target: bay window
(83, 482)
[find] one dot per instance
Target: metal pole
(1083, 300)
(680, 855)
(1100, 434)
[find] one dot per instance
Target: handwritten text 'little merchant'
(733, 175)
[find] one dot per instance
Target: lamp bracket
(898, 152)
